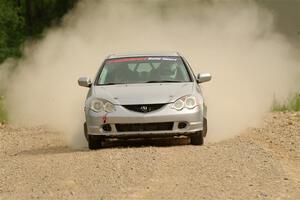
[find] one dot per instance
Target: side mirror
(85, 82)
(203, 77)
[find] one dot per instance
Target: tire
(94, 142)
(85, 131)
(204, 127)
(197, 139)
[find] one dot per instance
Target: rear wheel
(94, 142)
(197, 139)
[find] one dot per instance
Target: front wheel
(204, 132)
(94, 142)
(197, 139)
(85, 131)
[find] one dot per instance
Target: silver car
(144, 95)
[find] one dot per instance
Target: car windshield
(143, 70)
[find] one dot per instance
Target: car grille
(144, 108)
(144, 127)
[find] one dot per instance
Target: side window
(182, 72)
(102, 78)
(173, 68)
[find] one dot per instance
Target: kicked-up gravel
(262, 163)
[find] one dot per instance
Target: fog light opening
(106, 127)
(182, 125)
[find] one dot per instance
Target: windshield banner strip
(141, 59)
(126, 60)
(162, 58)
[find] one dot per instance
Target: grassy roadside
(292, 104)
(3, 113)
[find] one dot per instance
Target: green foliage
(292, 104)
(22, 19)
(11, 30)
(40, 14)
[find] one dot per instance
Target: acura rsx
(144, 95)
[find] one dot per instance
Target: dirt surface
(262, 163)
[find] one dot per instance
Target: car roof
(139, 54)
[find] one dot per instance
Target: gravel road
(262, 163)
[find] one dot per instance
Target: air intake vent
(164, 126)
(144, 108)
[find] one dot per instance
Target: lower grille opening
(144, 127)
(182, 125)
(106, 127)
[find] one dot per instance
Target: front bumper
(193, 118)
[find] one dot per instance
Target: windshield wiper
(111, 83)
(165, 81)
(162, 81)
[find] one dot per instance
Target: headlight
(109, 107)
(179, 104)
(189, 102)
(98, 105)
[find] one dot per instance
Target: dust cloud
(236, 41)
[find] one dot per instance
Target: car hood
(152, 93)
